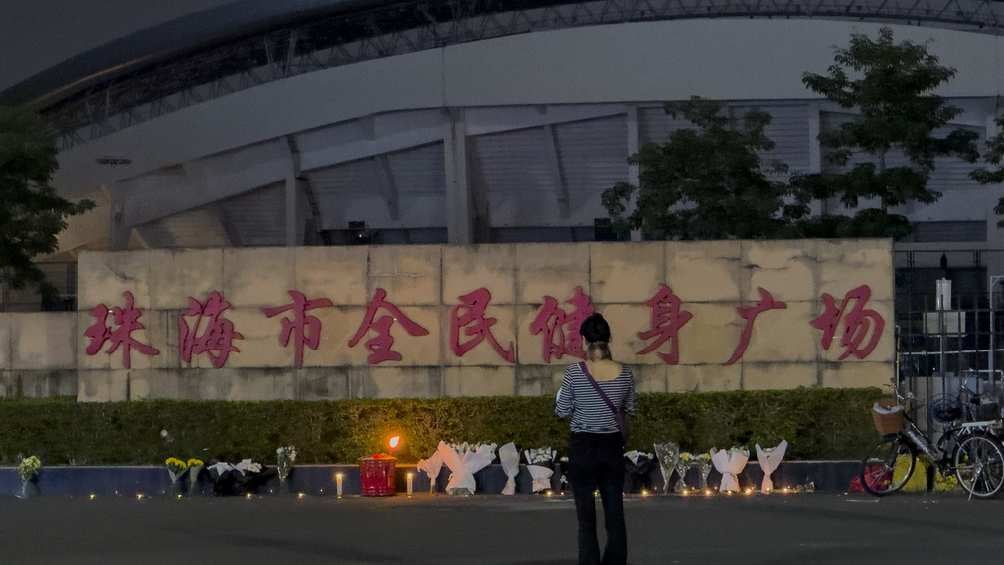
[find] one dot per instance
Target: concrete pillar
(459, 219)
(295, 202)
(815, 151)
(118, 230)
(295, 211)
(633, 145)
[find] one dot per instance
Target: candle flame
(394, 442)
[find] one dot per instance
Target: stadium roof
(175, 38)
(208, 54)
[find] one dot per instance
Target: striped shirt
(589, 412)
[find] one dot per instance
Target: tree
(891, 85)
(993, 156)
(31, 214)
(708, 181)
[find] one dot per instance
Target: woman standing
(597, 394)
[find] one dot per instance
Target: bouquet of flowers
(638, 467)
(285, 457)
(703, 463)
(770, 459)
(464, 460)
(246, 476)
(28, 468)
(509, 457)
(176, 468)
(540, 465)
(431, 467)
(195, 466)
(730, 464)
(668, 454)
(683, 465)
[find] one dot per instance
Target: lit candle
(338, 484)
(411, 479)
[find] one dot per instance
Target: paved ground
(802, 529)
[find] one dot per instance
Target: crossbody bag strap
(618, 415)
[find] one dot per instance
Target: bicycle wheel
(979, 465)
(888, 466)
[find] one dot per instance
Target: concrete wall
(40, 354)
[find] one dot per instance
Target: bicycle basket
(946, 409)
(888, 416)
(987, 411)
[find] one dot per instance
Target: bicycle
(972, 451)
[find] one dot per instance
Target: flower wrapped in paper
(668, 454)
(730, 464)
(176, 468)
(285, 457)
(509, 458)
(431, 467)
(638, 467)
(246, 476)
(684, 462)
(702, 462)
(540, 465)
(463, 465)
(770, 459)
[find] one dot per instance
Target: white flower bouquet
(730, 464)
(540, 465)
(770, 459)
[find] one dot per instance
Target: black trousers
(596, 462)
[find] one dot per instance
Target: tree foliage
(994, 156)
(892, 86)
(32, 214)
(708, 181)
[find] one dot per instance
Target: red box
(376, 475)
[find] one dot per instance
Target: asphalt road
(484, 530)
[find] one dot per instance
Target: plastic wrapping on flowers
(918, 482)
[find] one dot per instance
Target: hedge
(818, 424)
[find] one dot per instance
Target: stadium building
(333, 122)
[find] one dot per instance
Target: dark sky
(36, 34)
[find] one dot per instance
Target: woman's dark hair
(596, 331)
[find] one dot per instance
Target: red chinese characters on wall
(469, 318)
(750, 313)
(560, 329)
(126, 321)
(215, 338)
(665, 322)
(381, 345)
(205, 329)
(862, 326)
(303, 329)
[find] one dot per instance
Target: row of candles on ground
(339, 478)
